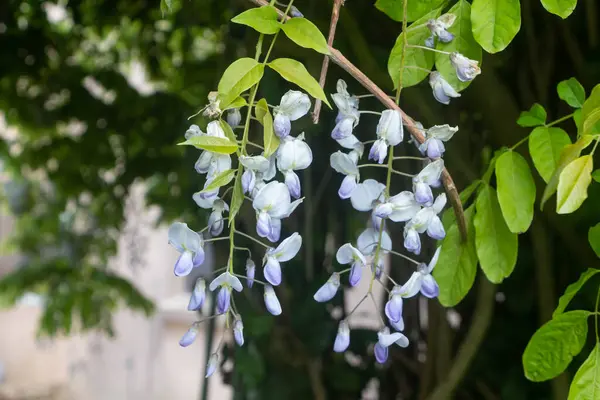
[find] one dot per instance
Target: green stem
(520, 142)
(254, 279)
(287, 10)
(357, 305)
(253, 239)
(391, 170)
(369, 112)
(215, 239)
(410, 158)
(416, 46)
(416, 67)
(403, 256)
(596, 315)
(558, 121)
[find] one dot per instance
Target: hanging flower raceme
(293, 105)
(286, 250)
(189, 244)
(422, 280)
(426, 220)
(271, 300)
(271, 202)
(390, 132)
(347, 165)
(329, 289)
(399, 208)
(225, 282)
(466, 69)
(347, 118)
(428, 177)
(439, 28)
(385, 340)
(442, 90)
(198, 295)
(435, 137)
(293, 155)
(253, 165)
(348, 254)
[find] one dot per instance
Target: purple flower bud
(430, 42)
(223, 300)
(198, 295)
(234, 117)
(343, 129)
(355, 274)
(211, 367)
(429, 287)
(189, 337)
(383, 210)
(184, 264)
(295, 13)
(238, 331)
(329, 289)
(393, 308)
(381, 353)
(271, 301)
(466, 69)
(435, 148)
(376, 221)
(248, 181)
(250, 272)
(198, 257)
(435, 229)
(445, 36)
(412, 241)
(342, 339)
(293, 183)
(423, 194)
(275, 232)
(348, 185)
(263, 224)
(272, 271)
(215, 221)
(282, 125)
(398, 326)
(378, 151)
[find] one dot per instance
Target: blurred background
(94, 97)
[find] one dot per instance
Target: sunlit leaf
(240, 76)
(211, 143)
(305, 34)
(261, 109)
(562, 8)
(572, 290)
(416, 9)
(573, 184)
(262, 19)
(571, 92)
(586, 382)
(554, 345)
(534, 117)
(220, 180)
(495, 23)
(590, 113)
(545, 146)
(228, 131)
(270, 140)
(237, 197)
(237, 103)
(295, 72)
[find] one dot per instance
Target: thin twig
(338, 58)
(335, 15)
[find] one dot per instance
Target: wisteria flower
(429, 176)
(329, 289)
(234, 117)
(442, 90)
(193, 130)
(438, 27)
(342, 339)
(212, 110)
(271, 300)
(189, 244)
(271, 202)
(238, 330)
(190, 336)
(293, 155)
(346, 164)
(390, 132)
(435, 136)
(250, 272)
(466, 69)
(293, 105)
(215, 219)
(393, 307)
(348, 254)
(252, 166)
(198, 295)
(348, 116)
(367, 244)
(275, 233)
(286, 250)
(225, 282)
(365, 194)
(211, 367)
(422, 280)
(385, 340)
(399, 208)
(425, 220)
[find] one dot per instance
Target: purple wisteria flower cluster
(417, 208)
(272, 200)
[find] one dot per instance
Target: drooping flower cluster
(417, 208)
(271, 199)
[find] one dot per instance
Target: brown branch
(335, 16)
(338, 58)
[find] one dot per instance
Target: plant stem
(215, 239)
(416, 67)
(393, 171)
(357, 305)
(253, 239)
(558, 121)
(369, 112)
(410, 158)
(596, 314)
(520, 142)
(255, 145)
(403, 256)
(254, 279)
(416, 46)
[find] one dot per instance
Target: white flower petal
(343, 163)
(347, 254)
(294, 104)
(255, 163)
(288, 248)
(214, 129)
(434, 260)
(404, 206)
(349, 142)
(183, 238)
(368, 239)
(274, 199)
(439, 203)
(365, 194)
(387, 339)
(442, 132)
(432, 172)
(421, 220)
(390, 127)
(293, 154)
(412, 286)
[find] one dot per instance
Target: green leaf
(211, 143)
(261, 109)
(586, 383)
(263, 19)
(457, 264)
(295, 72)
(415, 9)
(496, 245)
(237, 103)
(573, 183)
(569, 153)
(596, 175)
(463, 42)
(562, 8)
(415, 57)
(594, 238)
(545, 146)
(228, 131)
(237, 197)
(240, 76)
(571, 92)
(590, 113)
(270, 140)
(220, 180)
(516, 191)
(305, 34)
(554, 345)
(572, 290)
(495, 23)
(534, 117)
